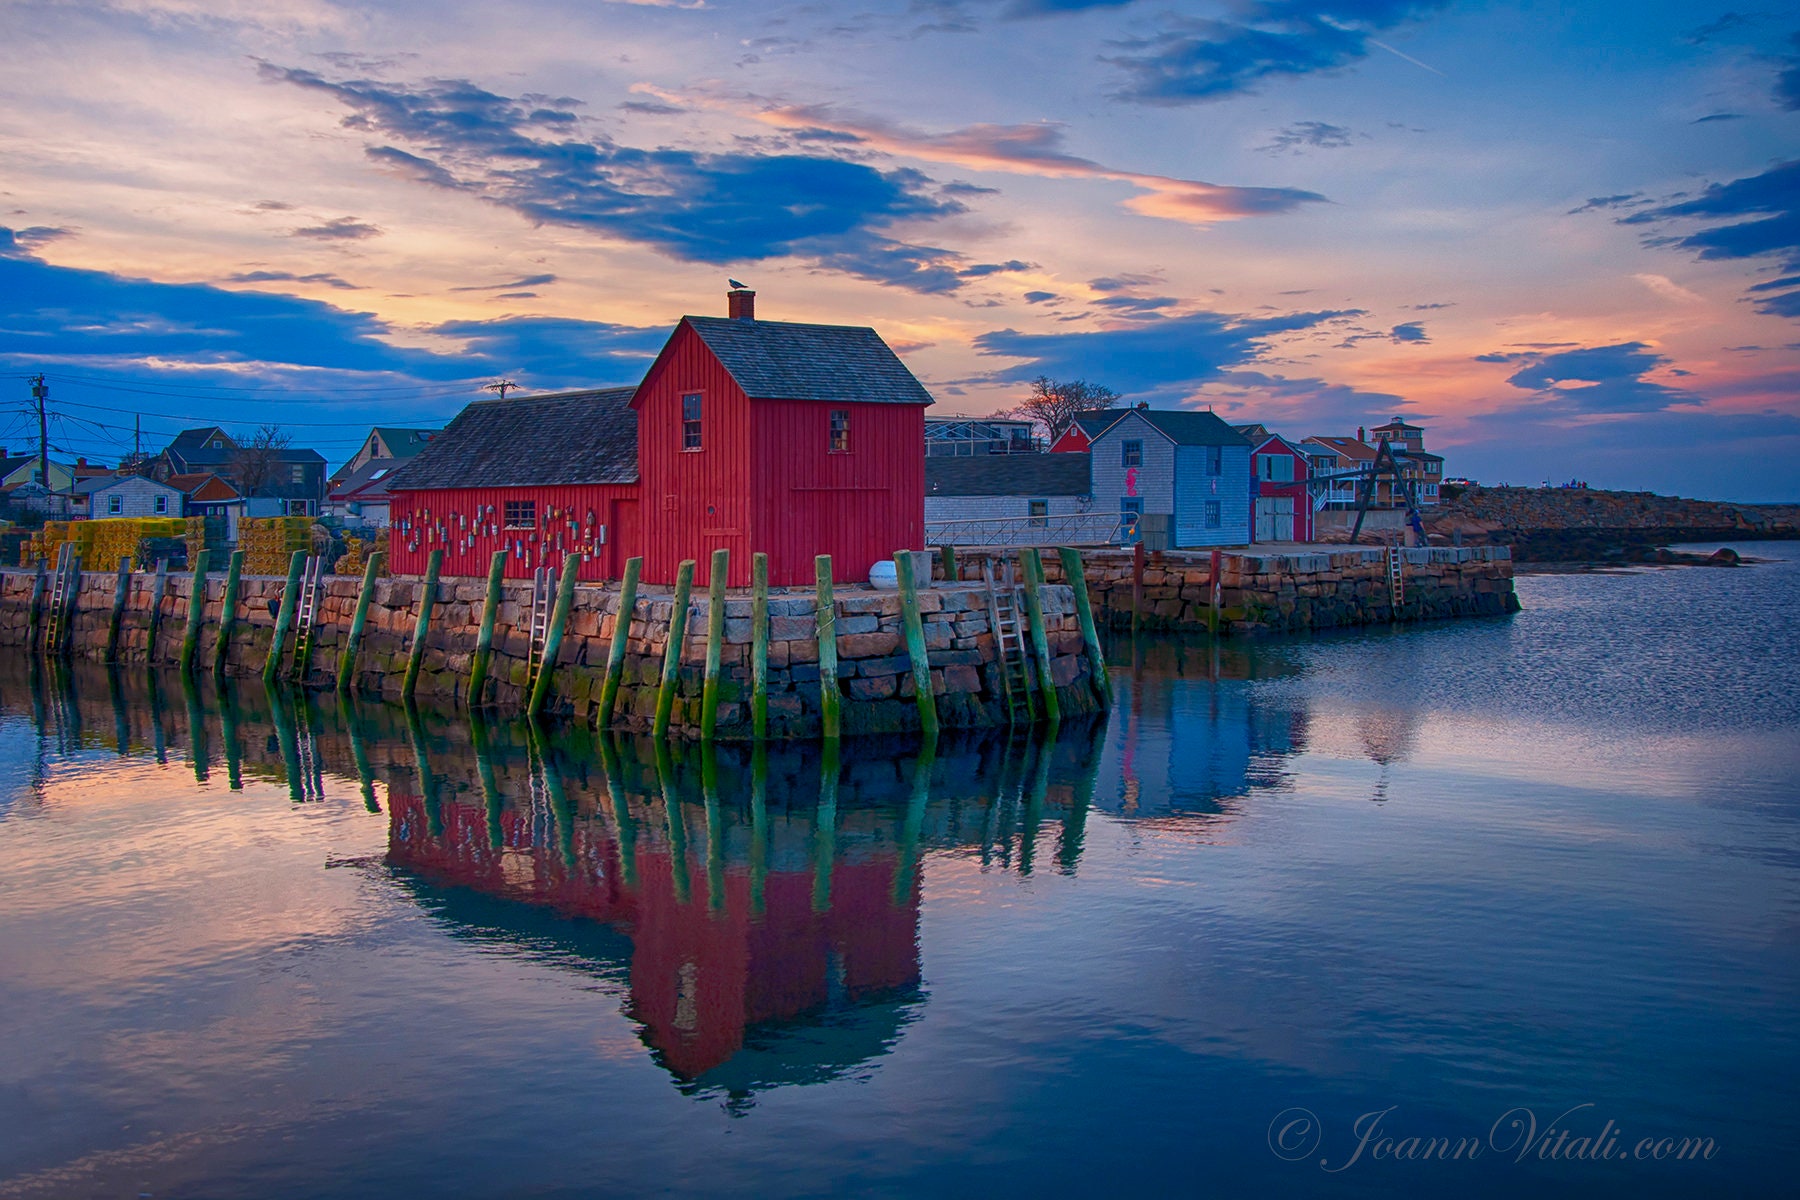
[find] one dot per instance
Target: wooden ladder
(307, 617)
(62, 601)
(541, 581)
(1009, 643)
(1396, 578)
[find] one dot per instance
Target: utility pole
(40, 392)
(500, 385)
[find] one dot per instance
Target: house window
(840, 431)
(1131, 453)
(1215, 460)
(521, 514)
(690, 421)
(160, 504)
(115, 504)
(299, 508)
(1040, 513)
(1276, 468)
(1212, 514)
(299, 473)
(1131, 508)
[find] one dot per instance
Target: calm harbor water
(1529, 885)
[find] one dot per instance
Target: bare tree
(1056, 403)
(256, 460)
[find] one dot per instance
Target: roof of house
(564, 437)
(369, 481)
(405, 443)
(1009, 475)
(88, 487)
(1347, 447)
(204, 486)
(1096, 422)
(1400, 423)
(785, 360)
(1188, 427)
(1256, 433)
(13, 462)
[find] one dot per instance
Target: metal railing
(1069, 529)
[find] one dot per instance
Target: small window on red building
(690, 421)
(521, 514)
(840, 431)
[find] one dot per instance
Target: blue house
(1185, 475)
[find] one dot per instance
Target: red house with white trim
(1079, 437)
(785, 438)
(1281, 507)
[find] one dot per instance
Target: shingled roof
(1189, 427)
(565, 437)
(785, 360)
(1008, 475)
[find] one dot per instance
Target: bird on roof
(734, 283)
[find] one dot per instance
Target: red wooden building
(1281, 509)
(790, 439)
(1079, 437)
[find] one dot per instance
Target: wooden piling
(715, 643)
(621, 638)
(1040, 641)
(484, 641)
(228, 611)
(415, 655)
(190, 641)
(759, 646)
(624, 824)
(715, 827)
(677, 826)
(759, 827)
(284, 617)
(947, 562)
(158, 589)
(121, 593)
(831, 701)
(825, 827)
(671, 672)
(353, 642)
(1215, 587)
(553, 637)
(914, 624)
(38, 586)
(1075, 575)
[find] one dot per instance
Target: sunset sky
(1563, 237)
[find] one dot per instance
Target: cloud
(1039, 297)
(1622, 200)
(1787, 83)
(1411, 331)
(561, 348)
(1037, 150)
(1196, 59)
(1595, 380)
(1317, 134)
(1755, 217)
(289, 277)
(1156, 357)
(1668, 289)
(1052, 8)
(527, 281)
(650, 108)
(18, 242)
(1718, 117)
(342, 229)
(698, 207)
(1725, 24)
(1010, 266)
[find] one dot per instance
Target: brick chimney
(741, 304)
(1359, 434)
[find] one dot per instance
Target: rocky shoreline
(1583, 525)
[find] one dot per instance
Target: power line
(317, 393)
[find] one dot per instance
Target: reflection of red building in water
(719, 947)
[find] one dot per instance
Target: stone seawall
(1291, 593)
(874, 671)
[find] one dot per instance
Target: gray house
(130, 496)
(1185, 474)
(1014, 500)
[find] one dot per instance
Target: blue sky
(1564, 238)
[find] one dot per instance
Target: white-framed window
(115, 504)
(1040, 513)
(1276, 468)
(1131, 453)
(160, 504)
(521, 514)
(1131, 512)
(840, 431)
(299, 508)
(691, 408)
(1212, 514)
(299, 472)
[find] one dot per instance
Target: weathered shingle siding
(1194, 488)
(1155, 478)
(138, 499)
